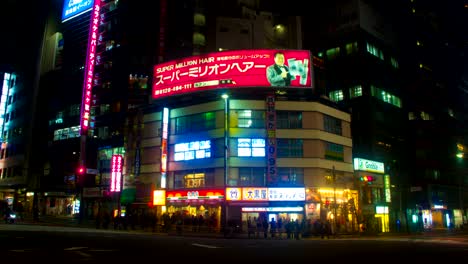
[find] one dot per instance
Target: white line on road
(74, 248)
(205, 246)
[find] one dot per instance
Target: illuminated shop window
(192, 150)
(251, 147)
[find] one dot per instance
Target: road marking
(74, 248)
(205, 246)
(83, 254)
(101, 250)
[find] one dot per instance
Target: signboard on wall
(239, 68)
(368, 165)
(74, 8)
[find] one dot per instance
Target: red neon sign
(89, 67)
(194, 195)
(116, 175)
(241, 68)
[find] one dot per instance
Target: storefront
(203, 204)
(259, 203)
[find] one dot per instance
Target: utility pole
(334, 198)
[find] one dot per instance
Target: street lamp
(226, 149)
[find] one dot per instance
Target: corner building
(228, 185)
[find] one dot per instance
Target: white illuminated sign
(368, 165)
(286, 194)
(272, 209)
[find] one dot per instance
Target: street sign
(91, 171)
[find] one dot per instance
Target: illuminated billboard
(73, 8)
(240, 68)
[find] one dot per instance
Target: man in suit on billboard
(278, 74)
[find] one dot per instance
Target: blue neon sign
(73, 8)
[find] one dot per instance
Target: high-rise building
(395, 66)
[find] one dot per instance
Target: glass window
(291, 176)
(351, 48)
(248, 119)
(194, 123)
(247, 147)
(336, 95)
(334, 151)
(385, 96)
(355, 91)
(192, 150)
(288, 120)
(289, 147)
(251, 176)
(333, 53)
(375, 51)
(332, 124)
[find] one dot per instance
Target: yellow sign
(159, 197)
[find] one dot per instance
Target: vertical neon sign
(116, 176)
(271, 137)
(165, 123)
(89, 67)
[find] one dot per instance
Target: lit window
(251, 147)
(355, 91)
(337, 95)
(192, 150)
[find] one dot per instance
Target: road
(52, 244)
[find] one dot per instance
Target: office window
(192, 150)
(375, 51)
(251, 147)
(333, 53)
(351, 48)
(355, 91)
(385, 96)
(394, 62)
(332, 125)
(289, 148)
(336, 95)
(199, 39)
(194, 123)
(252, 176)
(248, 119)
(334, 151)
(291, 176)
(288, 120)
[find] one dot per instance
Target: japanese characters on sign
(116, 176)
(242, 68)
(286, 194)
(252, 194)
(194, 195)
(73, 8)
(272, 176)
(89, 68)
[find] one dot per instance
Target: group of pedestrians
(257, 227)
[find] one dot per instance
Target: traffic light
(367, 178)
(81, 170)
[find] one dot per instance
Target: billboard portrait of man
(278, 74)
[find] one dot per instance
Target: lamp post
(334, 198)
(226, 152)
